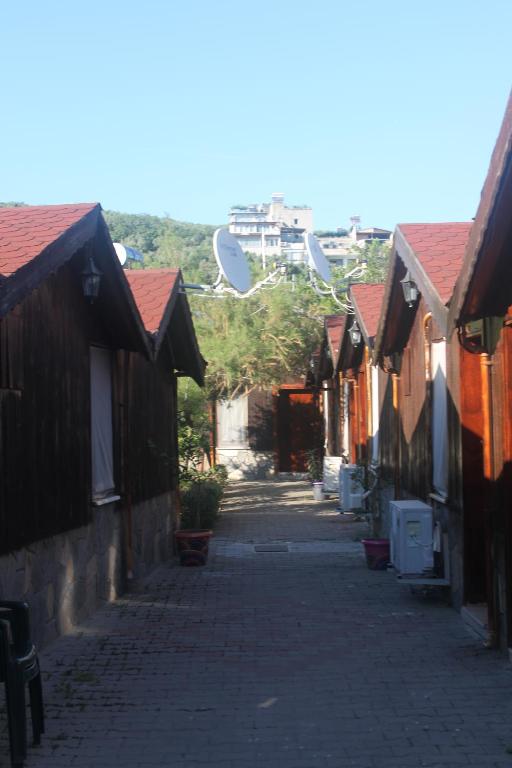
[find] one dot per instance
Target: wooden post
(486, 363)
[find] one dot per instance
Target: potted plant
(376, 548)
(315, 472)
(200, 501)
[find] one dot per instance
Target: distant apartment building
(338, 245)
(276, 231)
(272, 230)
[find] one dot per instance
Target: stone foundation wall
(245, 464)
(66, 577)
(153, 528)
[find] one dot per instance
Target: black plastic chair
(19, 665)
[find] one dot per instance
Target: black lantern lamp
(410, 289)
(91, 279)
(355, 334)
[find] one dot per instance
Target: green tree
(261, 340)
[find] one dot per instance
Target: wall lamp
(355, 334)
(410, 289)
(91, 279)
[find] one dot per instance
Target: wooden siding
(45, 413)
(261, 420)
(415, 416)
(406, 431)
(150, 458)
(387, 427)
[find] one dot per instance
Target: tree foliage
(376, 253)
(262, 340)
(166, 242)
(259, 341)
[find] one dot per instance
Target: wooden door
(299, 428)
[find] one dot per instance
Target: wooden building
(481, 310)
(80, 458)
(268, 431)
(149, 454)
(359, 376)
(326, 377)
(412, 347)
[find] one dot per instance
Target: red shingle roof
(368, 304)
(440, 250)
(152, 290)
(26, 231)
(334, 325)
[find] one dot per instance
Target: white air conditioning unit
(331, 473)
(411, 537)
(351, 489)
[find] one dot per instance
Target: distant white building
(276, 231)
(338, 245)
(272, 230)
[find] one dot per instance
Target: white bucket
(318, 491)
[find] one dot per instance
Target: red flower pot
(377, 553)
(192, 546)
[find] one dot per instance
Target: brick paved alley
(285, 659)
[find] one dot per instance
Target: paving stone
(281, 659)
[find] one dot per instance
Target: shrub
(314, 464)
(200, 499)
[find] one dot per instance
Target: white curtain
(101, 421)
(439, 418)
(232, 423)
(375, 412)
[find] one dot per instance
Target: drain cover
(271, 548)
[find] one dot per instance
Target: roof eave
(420, 277)
(464, 302)
(26, 279)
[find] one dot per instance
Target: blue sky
(389, 110)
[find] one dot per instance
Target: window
(101, 423)
(232, 421)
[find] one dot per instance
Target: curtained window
(101, 422)
(232, 423)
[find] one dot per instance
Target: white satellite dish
(127, 253)
(317, 259)
(231, 260)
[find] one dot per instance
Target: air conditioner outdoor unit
(351, 489)
(411, 537)
(331, 473)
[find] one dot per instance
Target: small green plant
(200, 499)
(314, 465)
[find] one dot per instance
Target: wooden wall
(45, 444)
(150, 456)
(387, 427)
(415, 415)
(261, 420)
(44, 412)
